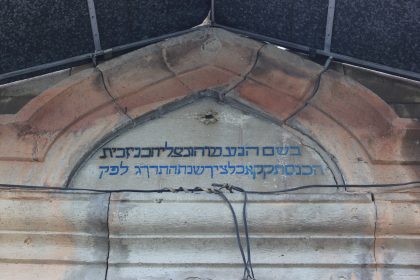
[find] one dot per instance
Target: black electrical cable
(379, 186)
(220, 186)
(248, 265)
(248, 245)
(247, 271)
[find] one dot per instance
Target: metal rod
(94, 25)
(372, 65)
(329, 25)
(212, 18)
(46, 66)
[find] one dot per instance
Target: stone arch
(50, 135)
(216, 106)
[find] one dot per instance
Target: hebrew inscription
(180, 150)
(209, 151)
(251, 170)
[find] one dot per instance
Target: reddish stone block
(278, 104)
(45, 117)
(151, 98)
(135, 71)
(285, 72)
(350, 155)
(367, 117)
(209, 77)
(214, 47)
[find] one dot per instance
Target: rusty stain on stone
(209, 117)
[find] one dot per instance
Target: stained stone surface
(201, 144)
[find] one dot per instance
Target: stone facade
(342, 235)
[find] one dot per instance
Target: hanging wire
(248, 245)
(248, 272)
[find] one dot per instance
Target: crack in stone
(315, 90)
(108, 239)
(222, 94)
(168, 66)
(374, 234)
(325, 162)
(245, 76)
(334, 167)
(122, 110)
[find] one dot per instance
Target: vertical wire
(248, 245)
(238, 237)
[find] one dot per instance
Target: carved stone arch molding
(43, 143)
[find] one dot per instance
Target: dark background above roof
(297, 21)
(34, 32)
(124, 22)
(383, 31)
(378, 34)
